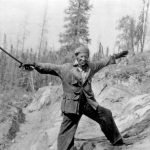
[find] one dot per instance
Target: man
(78, 97)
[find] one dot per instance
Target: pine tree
(76, 27)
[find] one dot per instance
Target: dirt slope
(123, 89)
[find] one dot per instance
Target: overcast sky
(102, 23)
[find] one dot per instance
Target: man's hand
(121, 54)
(28, 67)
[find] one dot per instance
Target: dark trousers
(70, 122)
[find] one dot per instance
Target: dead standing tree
(3, 63)
(44, 31)
(141, 30)
(25, 32)
(43, 43)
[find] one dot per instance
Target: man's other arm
(45, 68)
(108, 61)
(103, 63)
(48, 68)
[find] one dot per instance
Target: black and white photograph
(74, 75)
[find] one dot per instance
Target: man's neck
(83, 67)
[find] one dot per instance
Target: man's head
(82, 55)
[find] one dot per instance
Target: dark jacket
(73, 88)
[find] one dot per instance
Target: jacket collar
(75, 64)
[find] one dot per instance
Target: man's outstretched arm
(109, 60)
(44, 68)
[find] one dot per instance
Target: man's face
(82, 59)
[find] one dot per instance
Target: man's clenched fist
(29, 67)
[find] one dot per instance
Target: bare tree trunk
(4, 62)
(137, 47)
(107, 51)
(25, 33)
(144, 23)
(43, 30)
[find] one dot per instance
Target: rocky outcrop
(10, 126)
(42, 123)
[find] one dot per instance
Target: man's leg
(104, 117)
(67, 131)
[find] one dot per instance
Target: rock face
(126, 96)
(43, 119)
